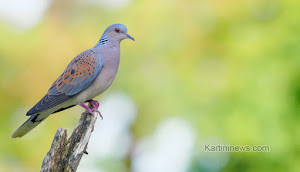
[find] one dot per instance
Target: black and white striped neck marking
(103, 41)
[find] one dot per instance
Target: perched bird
(88, 75)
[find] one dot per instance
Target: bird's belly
(101, 83)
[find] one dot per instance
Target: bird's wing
(78, 75)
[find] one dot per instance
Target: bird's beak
(130, 37)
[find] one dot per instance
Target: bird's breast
(103, 80)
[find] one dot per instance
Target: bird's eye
(117, 30)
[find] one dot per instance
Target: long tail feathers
(31, 123)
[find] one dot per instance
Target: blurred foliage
(229, 67)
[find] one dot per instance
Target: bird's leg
(95, 105)
(86, 108)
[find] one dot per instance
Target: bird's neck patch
(103, 41)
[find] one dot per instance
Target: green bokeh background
(230, 68)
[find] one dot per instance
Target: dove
(88, 75)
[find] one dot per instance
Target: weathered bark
(65, 155)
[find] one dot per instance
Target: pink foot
(95, 105)
(87, 109)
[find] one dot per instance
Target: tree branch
(65, 155)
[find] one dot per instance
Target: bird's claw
(95, 105)
(96, 110)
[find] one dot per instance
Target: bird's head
(117, 32)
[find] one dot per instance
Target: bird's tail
(31, 123)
